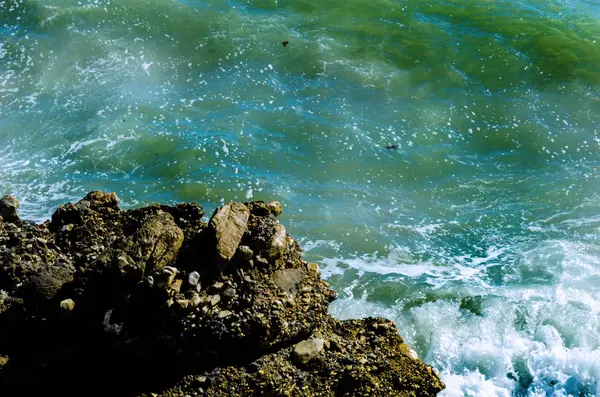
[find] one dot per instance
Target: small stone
(228, 224)
(327, 344)
(214, 300)
(3, 360)
(408, 352)
(313, 268)
(193, 278)
(307, 350)
(275, 207)
(276, 246)
(101, 199)
(67, 304)
(183, 303)
(224, 313)
(196, 301)
(261, 262)
(335, 345)
(8, 208)
(229, 293)
(176, 286)
(244, 252)
(167, 275)
(150, 281)
(289, 280)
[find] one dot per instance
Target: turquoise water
(479, 233)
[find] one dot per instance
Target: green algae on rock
(154, 301)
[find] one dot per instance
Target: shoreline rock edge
(154, 301)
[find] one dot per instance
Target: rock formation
(156, 302)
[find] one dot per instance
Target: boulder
(156, 243)
(228, 225)
(275, 207)
(8, 208)
(288, 280)
(307, 350)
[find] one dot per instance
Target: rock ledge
(155, 302)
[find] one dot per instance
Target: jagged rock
(244, 253)
(67, 305)
(289, 280)
(8, 208)
(154, 331)
(307, 350)
(166, 278)
(277, 244)
(228, 224)
(50, 280)
(157, 242)
(101, 199)
(275, 207)
(194, 280)
(229, 294)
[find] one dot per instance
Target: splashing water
(477, 228)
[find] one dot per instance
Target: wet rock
(289, 280)
(8, 208)
(307, 350)
(275, 207)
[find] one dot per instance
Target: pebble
(307, 350)
(183, 303)
(245, 253)
(168, 274)
(314, 268)
(215, 288)
(224, 313)
(215, 299)
(261, 262)
(194, 279)
(229, 293)
(275, 207)
(67, 304)
(196, 301)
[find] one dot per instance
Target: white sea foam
(526, 340)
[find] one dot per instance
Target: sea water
(438, 158)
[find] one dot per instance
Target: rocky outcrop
(156, 302)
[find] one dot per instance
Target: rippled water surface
(478, 229)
